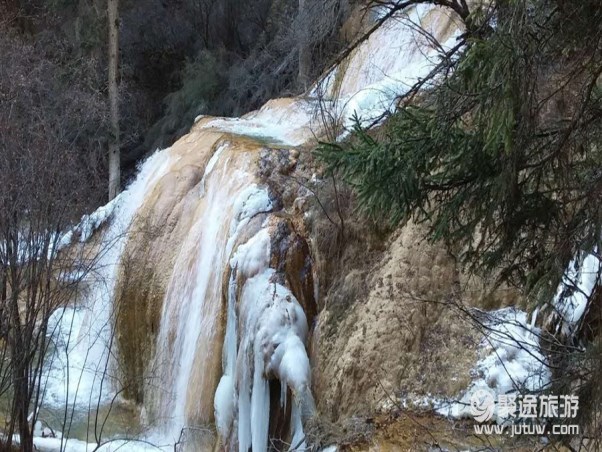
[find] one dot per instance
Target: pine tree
(502, 157)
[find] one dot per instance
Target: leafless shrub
(322, 433)
(46, 185)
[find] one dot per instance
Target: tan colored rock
(403, 336)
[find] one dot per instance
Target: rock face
(394, 329)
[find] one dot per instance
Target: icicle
(260, 405)
(298, 441)
(225, 397)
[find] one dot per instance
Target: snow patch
(330, 449)
(511, 361)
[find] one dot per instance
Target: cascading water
(233, 323)
(81, 368)
(222, 294)
(190, 322)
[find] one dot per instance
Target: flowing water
(226, 360)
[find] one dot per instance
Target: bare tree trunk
(20, 361)
(114, 155)
(22, 398)
(304, 53)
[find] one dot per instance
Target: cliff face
(393, 330)
(396, 327)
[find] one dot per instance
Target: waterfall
(232, 316)
(224, 300)
(190, 330)
(81, 367)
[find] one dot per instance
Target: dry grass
(321, 432)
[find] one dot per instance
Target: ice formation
(574, 292)
(511, 362)
(92, 222)
(273, 330)
(386, 66)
